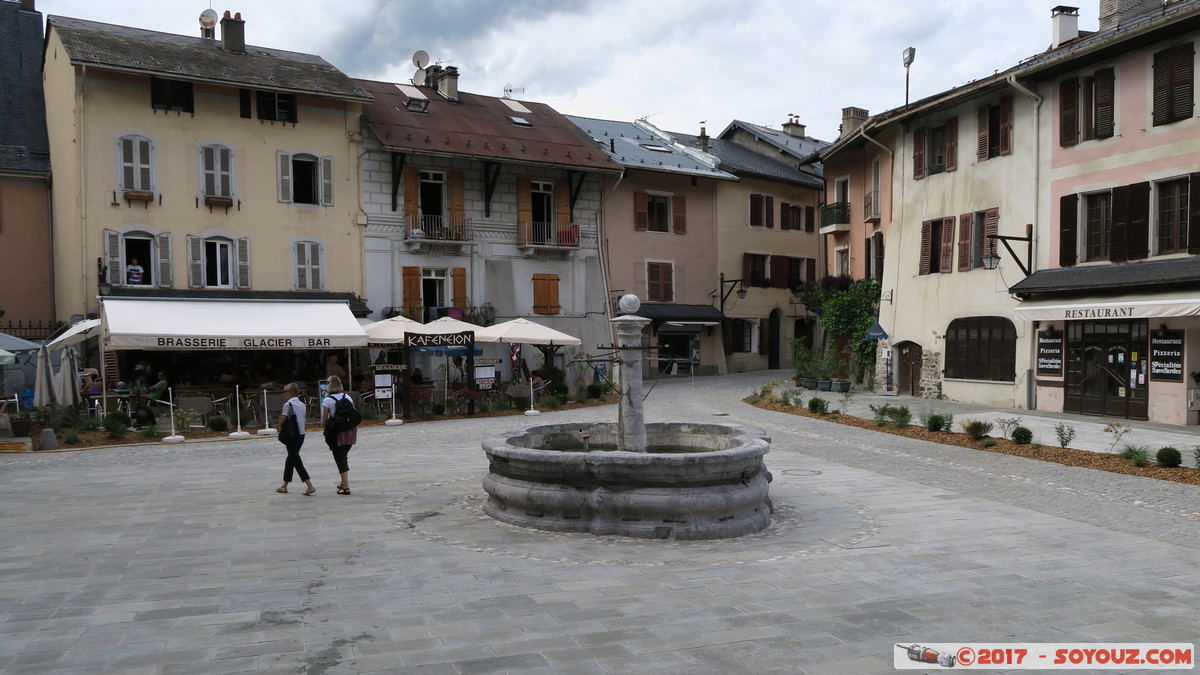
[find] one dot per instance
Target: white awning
(132, 323)
(1128, 307)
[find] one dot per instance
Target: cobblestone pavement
(183, 558)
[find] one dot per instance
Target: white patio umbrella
(77, 333)
(524, 331)
(43, 388)
(390, 331)
(7, 357)
(67, 382)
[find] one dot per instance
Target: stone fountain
(668, 480)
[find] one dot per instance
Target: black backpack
(345, 415)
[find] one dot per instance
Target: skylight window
(519, 121)
(655, 148)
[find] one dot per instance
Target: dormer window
(415, 101)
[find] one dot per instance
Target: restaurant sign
(1166, 355)
(1049, 353)
(137, 341)
(464, 339)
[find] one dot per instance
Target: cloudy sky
(676, 62)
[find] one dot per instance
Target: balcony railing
(547, 234)
(438, 228)
(871, 207)
(835, 214)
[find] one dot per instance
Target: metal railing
(438, 228)
(29, 330)
(837, 213)
(547, 234)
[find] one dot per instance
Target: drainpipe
(1030, 382)
(892, 362)
(602, 245)
(82, 189)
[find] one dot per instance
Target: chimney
(27, 5)
(1116, 12)
(703, 139)
(448, 83)
(853, 118)
(793, 126)
(233, 33)
(433, 75)
(1065, 23)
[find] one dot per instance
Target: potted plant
(841, 373)
(826, 365)
(804, 364)
(21, 423)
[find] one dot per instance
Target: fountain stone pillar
(631, 416)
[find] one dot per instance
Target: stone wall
(931, 375)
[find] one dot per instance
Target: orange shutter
(562, 198)
(946, 264)
(524, 211)
(966, 223)
(458, 208)
(926, 235)
(981, 145)
(1006, 125)
(459, 277)
(641, 212)
(918, 154)
(412, 193)
(411, 278)
(545, 294)
(991, 225)
(679, 214)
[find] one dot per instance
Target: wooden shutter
(545, 294)
(1068, 112)
(746, 269)
(242, 250)
(983, 141)
(1105, 102)
(1138, 234)
(810, 270)
(244, 102)
(166, 277)
(456, 189)
(756, 210)
(926, 235)
(878, 236)
(918, 153)
(810, 218)
(785, 216)
(562, 203)
(1006, 122)
(195, 261)
(769, 207)
(112, 257)
(641, 212)
(667, 282)
(1181, 83)
(966, 223)
(950, 149)
(868, 257)
(458, 276)
(284, 161)
(524, 210)
(779, 271)
(946, 264)
(411, 280)
(679, 214)
(1118, 246)
(412, 195)
(991, 226)
(654, 282)
(1193, 224)
(327, 181)
(1068, 230)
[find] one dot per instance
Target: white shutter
(165, 277)
(226, 184)
(127, 172)
(112, 257)
(144, 165)
(210, 177)
(285, 176)
(301, 266)
(327, 181)
(243, 262)
(195, 261)
(315, 251)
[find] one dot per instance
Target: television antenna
(509, 90)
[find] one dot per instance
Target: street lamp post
(992, 260)
(733, 283)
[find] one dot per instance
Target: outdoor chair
(199, 405)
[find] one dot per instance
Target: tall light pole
(909, 55)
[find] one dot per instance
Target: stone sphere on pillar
(629, 304)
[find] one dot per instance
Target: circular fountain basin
(695, 481)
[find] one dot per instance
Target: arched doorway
(773, 323)
(908, 375)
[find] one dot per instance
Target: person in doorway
(294, 406)
(332, 369)
(339, 442)
(134, 273)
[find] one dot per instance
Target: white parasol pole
(266, 430)
(394, 422)
(173, 438)
(237, 403)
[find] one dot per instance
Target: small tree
(846, 307)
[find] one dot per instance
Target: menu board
(1050, 353)
(1166, 355)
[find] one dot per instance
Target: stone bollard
(49, 442)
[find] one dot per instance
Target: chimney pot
(27, 5)
(226, 14)
(237, 15)
(447, 84)
(1065, 25)
(853, 118)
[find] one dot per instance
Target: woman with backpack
(338, 440)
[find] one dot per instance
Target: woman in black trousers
(294, 406)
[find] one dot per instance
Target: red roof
(481, 127)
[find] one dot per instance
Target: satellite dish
(418, 77)
(208, 18)
(421, 58)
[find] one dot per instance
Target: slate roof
(1152, 275)
(742, 161)
(803, 148)
(148, 52)
(639, 145)
(24, 145)
(479, 126)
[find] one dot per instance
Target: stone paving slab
(183, 559)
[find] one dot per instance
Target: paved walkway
(183, 559)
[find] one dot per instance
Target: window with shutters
(433, 288)
(431, 200)
(937, 246)
(873, 258)
(310, 266)
(762, 211)
(1097, 230)
(660, 282)
(305, 178)
(1172, 221)
(658, 213)
(218, 261)
(981, 348)
(1086, 107)
(276, 107)
(935, 149)
(756, 263)
(974, 242)
(1173, 86)
(216, 172)
(135, 164)
(541, 195)
(995, 130)
(171, 95)
(545, 294)
(795, 274)
(841, 260)
(741, 336)
(146, 249)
